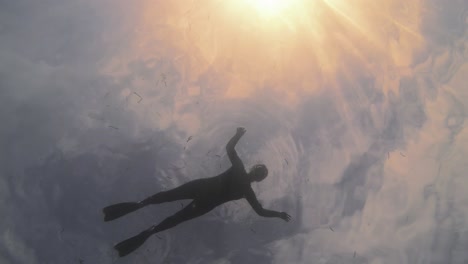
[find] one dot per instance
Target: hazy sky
(356, 107)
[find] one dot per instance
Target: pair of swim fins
(115, 211)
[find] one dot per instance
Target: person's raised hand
(241, 131)
(286, 217)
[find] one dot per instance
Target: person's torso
(230, 185)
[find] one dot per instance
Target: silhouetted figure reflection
(207, 193)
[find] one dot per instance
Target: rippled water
(357, 108)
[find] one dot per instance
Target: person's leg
(191, 211)
(185, 191)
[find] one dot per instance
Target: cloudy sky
(356, 107)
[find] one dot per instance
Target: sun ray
(270, 8)
(341, 13)
(364, 31)
(406, 28)
(303, 45)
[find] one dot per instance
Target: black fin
(118, 210)
(128, 246)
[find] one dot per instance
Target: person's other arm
(252, 199)
(232, 154)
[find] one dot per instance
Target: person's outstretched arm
(232, 154)
(252, 199)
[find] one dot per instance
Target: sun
(270, 8)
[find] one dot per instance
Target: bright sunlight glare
(270, 8)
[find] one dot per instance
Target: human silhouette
(207, 193)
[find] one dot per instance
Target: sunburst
(270, 8)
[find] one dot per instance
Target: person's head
(258, 172)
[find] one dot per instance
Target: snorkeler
(207, 193)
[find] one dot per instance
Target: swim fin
(128, 246)
(117, 210)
